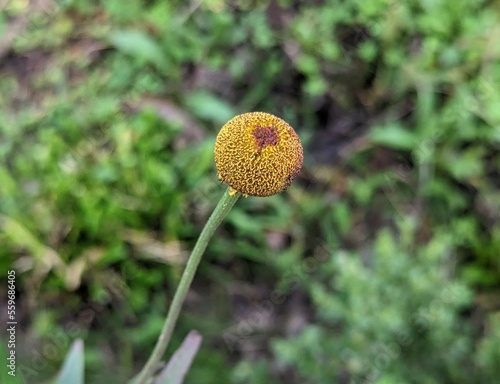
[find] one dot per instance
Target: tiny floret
(257, 154)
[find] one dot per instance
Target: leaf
(138, 44)
(465, 165)
(394, 136)
(207, 106)
(72, 370)
(181, 360)
(19, 235)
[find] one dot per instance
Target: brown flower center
(265, 136)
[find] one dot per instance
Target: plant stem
(221, 210)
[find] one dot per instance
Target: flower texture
(257, 154)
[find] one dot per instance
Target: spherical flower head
(257, 154)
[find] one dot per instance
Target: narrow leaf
(206, 105)
(140, 45)
(72, 370)
(181, 360)
(394, 136)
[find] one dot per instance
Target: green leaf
(21, 236)
(394, 136)
(465, 164)
(207, 106)
(181, 360)
(72, 370)
(138, 44)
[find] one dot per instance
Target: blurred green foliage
(108, 115)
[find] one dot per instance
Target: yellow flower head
(257, 154)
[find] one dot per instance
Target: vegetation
(379, 264)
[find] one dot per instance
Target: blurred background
(380, 264)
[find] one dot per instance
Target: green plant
(224, 206)
(108, 116)
(239, 142)
(386, 316)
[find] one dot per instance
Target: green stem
(221, 210)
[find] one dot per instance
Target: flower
(257, 154)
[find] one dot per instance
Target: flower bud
(257, 154)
